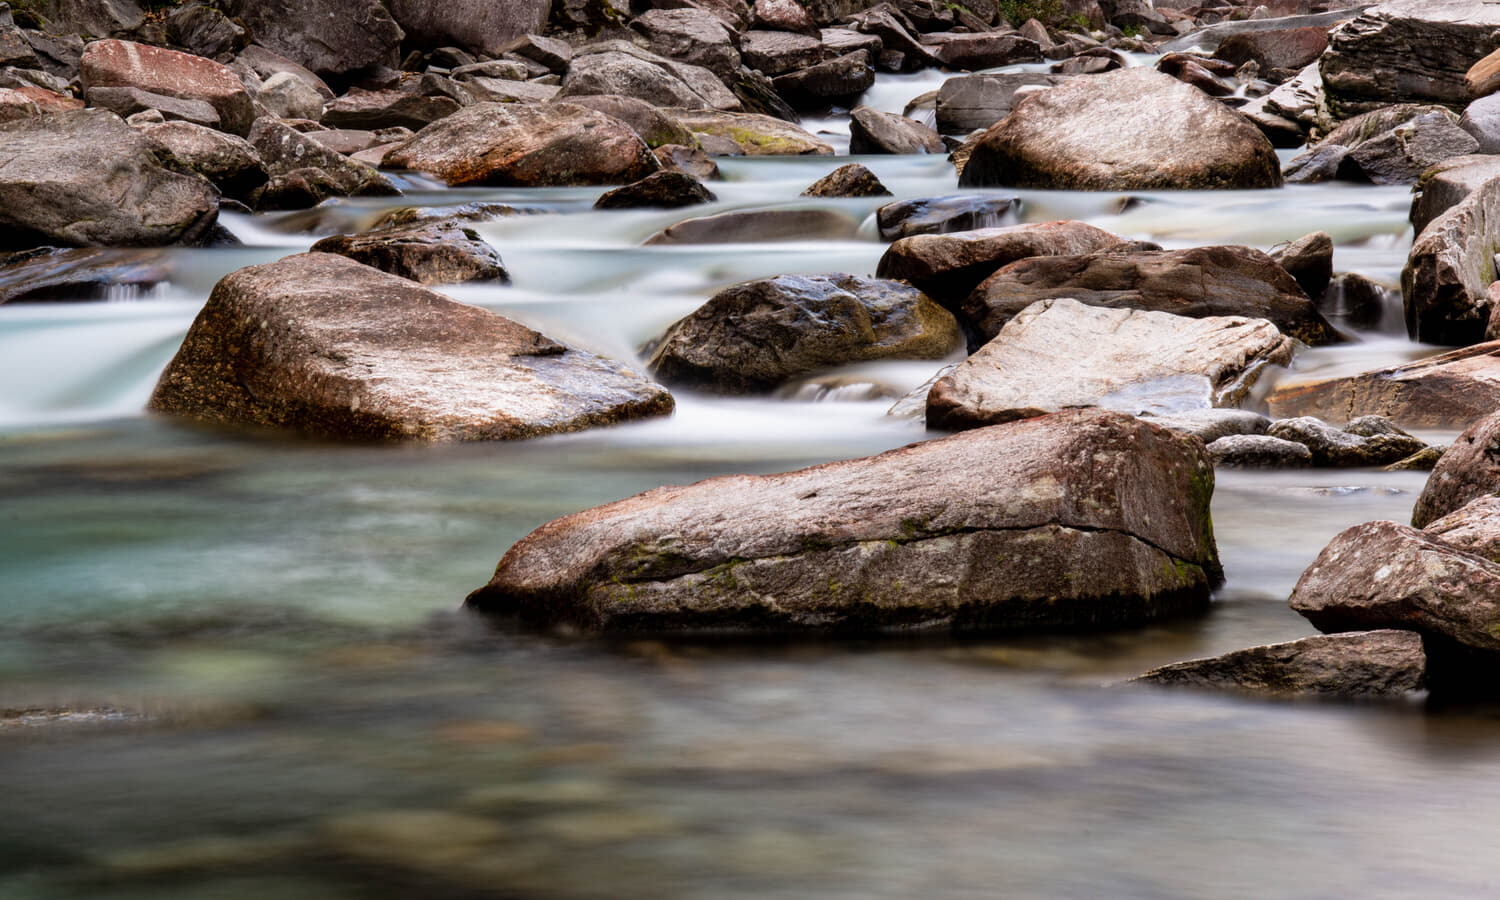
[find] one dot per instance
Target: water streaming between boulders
(262, 640)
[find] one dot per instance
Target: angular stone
(873, 131)
(1365, 441)
(1481, 119)
(1445, 284)
(691, 35)
(289, 97)
(1352, 664)
(1447, 391)
(1468, 470)
(1134, 129)
(1208, 425)
(1402, 154)
(1473, 528)
(1282, 48)
(126, 102)
(228, 161)
(986, 50)
(156, 70)
(1308, 259)
(387, 109)
(758, 335)
(333, 38)
(48, 274)
(837, 79)
(1446, 184)
(968, 102)
(284, 150)
(687, 160)
(850, 180)
(1018, 527)
(327, 346)
(783, 15)
(526, 146)
(443, 252)
(660, 190)
(205, 31)
(755, 135)
(481, 26)
(1258, 451)
(267, 64)
(1061, 353)
(943, 215)
(614, 67)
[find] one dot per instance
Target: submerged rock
(90, 273)
(759, 225)
(428, 253)
(330, 347)
(1447, 391)
(760, 334)
(1061, 353)
(1351, 664)
(1023, 526)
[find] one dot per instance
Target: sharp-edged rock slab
(1469, 469)
(330, 347)
(873, 131)
(1082, 519)
(1061, 353)
(428, 253)
(1446, 391)
(1131, 129)
(504, 144)
(1353, 664)
(1448, 184)
(1473, 527)
(1445, 284)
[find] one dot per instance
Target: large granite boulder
(333, 38)
(481, 26)
(1372, 60)
(1351, 664)
(615, 67)
(967, 102)
(1390, 145)
(1061, 353)
(757, 335)
(444, 252)
(691, 35)
(304, 173)
(1446, 391)
(655, 127)
(228, 161)
(1198, 281)
(1468, 470)
(752, 133)
(87, 179)
(1445, 284)
(1131, 129)
(1086, 518)
(526, 146)
(107, 64)
(330, 347)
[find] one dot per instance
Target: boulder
(330, 347)
(333, 38)
(1447, 391)
(1198, 281)
(784, 15)
(1470, 469)
(1061, 353)
(691, 35)
(289, 97)
(1353, 664)
(123, 64)
(480, 89)
(688, 160)
(87, 179)
(1481, 119)
(758, 335)
(831, 81)
(968, 102)
(127, 102)
(442, 252)
(949, 266)
(1446, 184)
(984, 50)
(1445, 284)
(205, 31)
(480, 26)
(656, 128)
(16, 105)
(1208, 425)
(1473, 527)
(944, 215)
(387, 109)
(849, 180)
(615, 67)
(228, 161)
(659, 190)
(901, 50)
(1370, 63)
(1392, 145)
(755, 135)
(288, 154)
(267, 64)
(779, 52)
(760, 226)
(1309, 260)
(1354, 300)
(873, 131)
(1258, 451)
(1086, 518)
(1133, 129)
(84, 273)
(1281, 48)
(1365, 441)
(526, 146)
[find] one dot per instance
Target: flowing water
(233, 664)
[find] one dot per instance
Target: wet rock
(691, 35)
(986, 50)
(1061, 353)
(1135, 129)
(615, 67)
(156, 70)
(428, 253)
(758, 335)
(1208, 425)
(1469, 469)
(1308, 259)
(687, 160)
(944, 215)
(48, 273)
(1352, 664)
(783, 15)
(526, 146)
(289, 97)
(1369, 62)
(1280, 48)
(949, 266)
(1446, 184)
(293, 158)
(1258, 451)
(851, 180)
(1447, 391)
(228, 161)
(758, 94)
(831, 81)
(1445, 284)
(915, 538)
(979, 101)
(755, 135)
(660, 190)
(333, 38)
(327, 346)
(655, 127)
(1199, 281)
(764, 225)
(476, 25)
(387, 109)
(1481, 119)
(1365, 441)
(873, 131)
(87, 179)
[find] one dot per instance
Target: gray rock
(1481, 119)
(754, 135)
(984, 50)
(1470, 469)
(205, 31)
(1352, 664)
(1365, 441)
(614, 67)
(687, 160)
(780, 52)
(333, 38)
(758, 335)
(1208, 425)
(944, 215)
(267, 64)
(289, 97)
(873, 131)
(692, 36)
(1258, 451)
(1402, 154)
(387, 109)
(284, 151)
(849, 180)
(324, 345)
(762, 225)
(1445, 284)
(1446, 184)
(443, 252)
(477, 25)
(979, 101)
(49, 274)
(1061, 353)
(228, 161)
(834, 80)
(1017, 527)
(126, 102)
(1446, 391)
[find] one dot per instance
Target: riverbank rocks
(1446, 391)
(753, 134)
(87, 179)
(327, 346)
(1258, 451)
(123, 64)
(333, 38)
(1061, 353)
(1390, 145)
(1445, 284)
(360, 109)
(1352, 664)
(759, 225)
(1198, 281)
(967, 102)
(476, 25)
(667, 189)
(1365, 441)
(1468, 470)
(304, 173)
(850, 180)
(428, 253)
(1132, 129)
(49, 274)
(873, 131)
(1446, 184)
(758, 335)
(1309, 260)
(617, 67)
(1369, 62)
(944, 215)
(1085, 518)
(949, 266)
(516, 145)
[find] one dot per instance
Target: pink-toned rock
(1469, 469)
(49, 101)
(113, 63)
(783, 15)
(16, 105)
(1447, 391)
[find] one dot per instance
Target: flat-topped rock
(754, 134)
(1086, 518)
(158, 70)
(327, 346)
(333, 38)
(1352, 664)
(1446, 391)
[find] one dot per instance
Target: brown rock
(660, 190)
(873, 131)
(944, 215)
(1473, 527)
(169, 73)
(428, 253)
(655, 127)
(334, 38)
(755, 135)
(986, 50)
(1447, 391)
(759, 225)
(1483, 77)
(1445, 284)
(850, 180)
(1084, 518)
(1351, 664)
(228, 161)
(387, 109)
(1308, 259)
(1446, 184)
(1468, 470)
(327, 346)
(784, 15)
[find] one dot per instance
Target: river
(273, 690)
